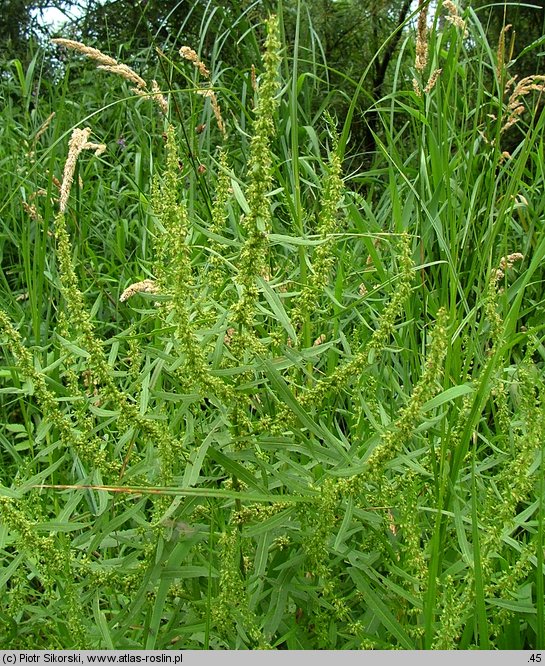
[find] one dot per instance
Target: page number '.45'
(535, 658)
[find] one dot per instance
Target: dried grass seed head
(524, 87)
(454, 17)
(87, 51)
(78, 142)
(500, 53)
(44, 126)
(159, 97)
(127, 73)
(422, 38)
(216, 109)
(189, 54)
(106, 63)
(156, 95)
(534, 82)
(145, 286)
(432, 80)
(507, 263)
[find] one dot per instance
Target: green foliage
(250, 400)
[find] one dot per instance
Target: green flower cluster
(332, 191)
(256, 222)
(90, 449)
(53, 561)
(174, 276)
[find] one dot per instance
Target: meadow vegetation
(259, 390)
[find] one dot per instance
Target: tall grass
(251, 401)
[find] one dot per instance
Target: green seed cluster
(341, 377)
(231, 611)
(89, 449)
(174, 274)
(256, 222)
(218, 270)
(54, 562)
(328, 224)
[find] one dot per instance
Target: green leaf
(449, 395)
(277, 307)
(381, 611)
(283, 393)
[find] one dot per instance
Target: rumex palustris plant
(262, 459)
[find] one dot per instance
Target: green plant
(269, 404)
